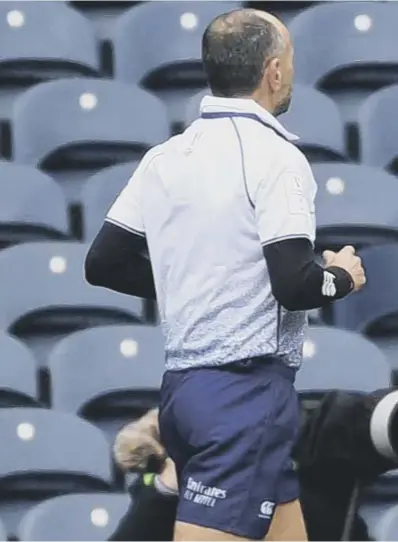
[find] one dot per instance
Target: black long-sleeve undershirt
(118, 260)
(296, 277)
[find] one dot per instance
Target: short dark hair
(235, 47)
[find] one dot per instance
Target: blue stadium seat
(192, 109)
(352, 42)
(373, 309)
(3, 532)
(378, 133)
(44, 285)
(85, 122)
(47, 451)
(107, 367)
(83, 517)
(355, 205)
(382, 520)
(337, 359)
(99, 192)
(18, 382)
(39, 40)
(171, 53)
(315, 141)
(32, 206)
(169, 61)
(309, 113)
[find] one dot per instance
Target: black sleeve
(151, 515)
(298, 282)
(118, 260)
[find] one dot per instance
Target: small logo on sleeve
(266, 509)
(328, 286)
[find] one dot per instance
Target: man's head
(247, 53)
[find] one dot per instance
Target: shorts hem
(213, 525)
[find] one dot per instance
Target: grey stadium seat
(370, 308)
(350, 38)
(383, 521)
(192, 109)
(100, 191)
(85, 517)
(3, 532)
(18, 382)
(46, 451)
(355, 205)
(46, 280)
(315, 141)
(335, 359)
(174, 45)
(115, 365)
(309, 113)
(32, 206)
(373, 310)
(85, 121)
(378, 133)
(169, 61)
(39, 40)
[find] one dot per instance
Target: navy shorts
(230, 431)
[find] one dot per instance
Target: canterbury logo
(328, 286)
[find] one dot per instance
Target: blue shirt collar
(212, 104)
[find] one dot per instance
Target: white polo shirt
(207, 201)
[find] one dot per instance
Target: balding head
(237, 50)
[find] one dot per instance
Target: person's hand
(168, 475)
(137, 442)
(349, 261)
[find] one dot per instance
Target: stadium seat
(44, 285)
(113, 367)
(78, 122)
(382, 520)
(3, 532)
(40, 40)
(373, 308)
(82, 517)
(356, 43)
(99, 192)
(317, 142)
(172, 56)
(18, 382)
(192, 109)
(355, 205)
(335, 359)
(169, 62)
(378, 133)
(32, 206)
(46, 451)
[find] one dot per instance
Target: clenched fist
(137, 442)
(347, 259)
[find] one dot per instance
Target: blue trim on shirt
(231, 115)
(242, 155)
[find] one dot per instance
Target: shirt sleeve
(284, 203)
(126, 210)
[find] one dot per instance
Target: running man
(226, 213)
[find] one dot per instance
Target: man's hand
(347, 259)
(137, 442)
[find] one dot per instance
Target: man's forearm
(298, 282)
(117, 260)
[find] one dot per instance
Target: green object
(148, 478)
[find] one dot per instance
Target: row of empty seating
(355, 203)
(70, 119)
(115, 366)
(366, 29)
